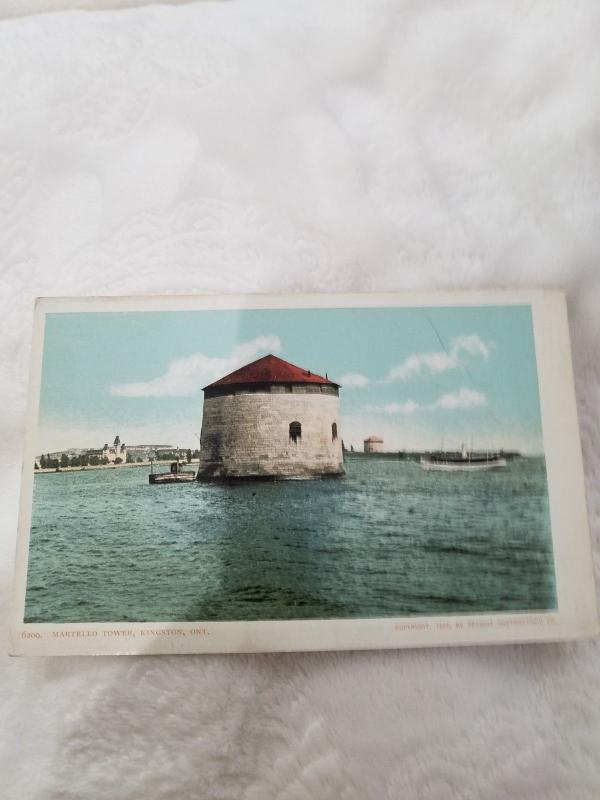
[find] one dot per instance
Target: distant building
(374, 444)
(111, 453)
(118, 450)
(270, 419)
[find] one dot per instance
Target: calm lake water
(389, 539)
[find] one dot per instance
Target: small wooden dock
(176, 475)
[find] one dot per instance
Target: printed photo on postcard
(263, 473)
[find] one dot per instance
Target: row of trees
(172, 455)
(46, 462)
(84, 460)
(87, 460)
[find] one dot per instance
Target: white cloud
(187, 376)
(409, 407)
(472, 345)
(463, 398)
(354, 380)
(440, 361)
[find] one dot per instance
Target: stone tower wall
(247, 435)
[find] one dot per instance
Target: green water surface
(389, 539)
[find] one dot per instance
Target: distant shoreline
(413, 455)
(89, 467)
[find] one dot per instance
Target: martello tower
(270, 419)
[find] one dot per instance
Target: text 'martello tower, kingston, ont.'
(270, 419)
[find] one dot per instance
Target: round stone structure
(273, 420)
(374, 444)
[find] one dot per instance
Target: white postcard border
(576, 616)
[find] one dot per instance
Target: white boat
(463, 460)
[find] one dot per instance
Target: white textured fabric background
(301, 146)
(21, 8)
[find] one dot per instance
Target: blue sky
(414, 376)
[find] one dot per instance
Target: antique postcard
(264, 473)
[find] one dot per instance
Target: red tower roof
(270, 369)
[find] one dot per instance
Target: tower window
(333, 431)
(295, 432)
